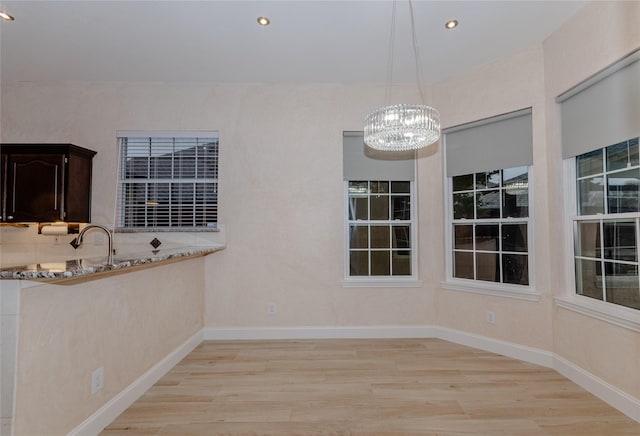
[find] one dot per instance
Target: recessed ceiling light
(6, 16)
(451, 24)
(263, 21)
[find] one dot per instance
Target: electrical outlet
(272, 308)
(97, 380)
(491, 317)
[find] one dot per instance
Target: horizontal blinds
(168, 182)
(499, 142)
(603, 110)
(364, 163)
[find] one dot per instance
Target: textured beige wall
(512, 83)
(280, 187)
(126, 324)
(600, 34)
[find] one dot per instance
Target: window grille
(168, 182)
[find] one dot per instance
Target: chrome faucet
(78, 241)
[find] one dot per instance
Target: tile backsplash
(23, 245)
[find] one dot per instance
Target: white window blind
(364, 163)
(503, 141)
(604, 109)
(168, 181)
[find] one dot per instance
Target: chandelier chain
(390, 54)
(416, 52)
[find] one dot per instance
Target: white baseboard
(608, 393)
(509, 349)
(373, 332)
(102, 417)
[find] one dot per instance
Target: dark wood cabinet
(45, 182)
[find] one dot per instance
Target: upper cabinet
(45, 182)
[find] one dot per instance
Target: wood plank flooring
(364, 387)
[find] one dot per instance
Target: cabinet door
(3, 187)
(35, 187)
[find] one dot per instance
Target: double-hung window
(490, 226)
(168, 180)
(600, 120)
(606, 226)
(380, 234)
(488, 203)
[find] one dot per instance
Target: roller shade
(504, 141)
(603, 110)
(364, 163)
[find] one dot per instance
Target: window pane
(401, 237)
(618, 156)
(489, 179)
(380, 265)
(515, 269)
(591, 196)
(589, 163)
(588, 239)
(400, 187)
(514, 237)
(401, 263)
(359, 263)
(463, 206)
(622, 193)
(358, 208)
(620, 240)
(358, 236)
(361, 187)
(380, 236)
(488, 267)
(463, 237)
(488, 204)
(589, 278)
(622, 284)
(487, 237)
(463, 183)
(463, 265)
(515, 203)
(380, 187)
(401, 207)
(379, 207)
(633, 151)
(515, 199)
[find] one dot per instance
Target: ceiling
(220, 41)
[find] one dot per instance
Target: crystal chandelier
(403, 126)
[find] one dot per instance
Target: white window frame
(614, 314)
(382, 281)
(162, 134)
(507, 290)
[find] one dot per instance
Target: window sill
(493, 289)
(382, 283)
(613, 314)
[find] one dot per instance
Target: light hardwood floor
(364, 387)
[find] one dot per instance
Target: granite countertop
(86, 268)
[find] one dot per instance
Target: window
(600, 130)
(606, 226)
(168, 180)
(488, 165)
(380, 236)
(379, 228)
(490, 226)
